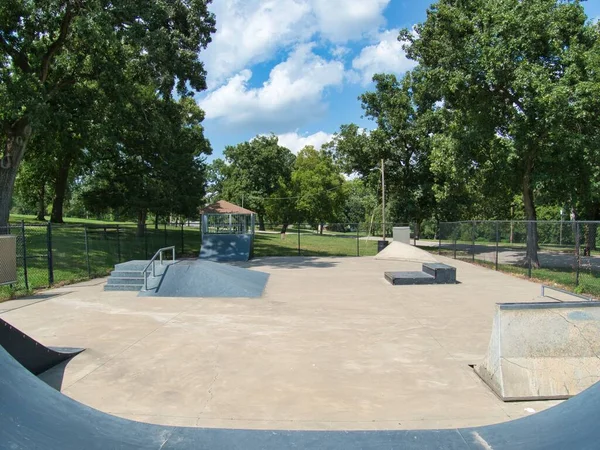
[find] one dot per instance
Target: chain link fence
(51, 255)
(566, 250)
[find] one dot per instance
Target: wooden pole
(383, 198)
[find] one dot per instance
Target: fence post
(529, 246)
(182, 242)
(146, 240)
(50, 260)
(439, 238)
(87, 251)
(165, 228)
(497, 239)
(118, 244)
(473, 237)
(577, 252)
(24, 245)
(455, 239)
(358, 239)
(299, 252)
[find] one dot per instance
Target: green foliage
(254, 171)
(318, 185)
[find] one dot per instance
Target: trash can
(381, 245)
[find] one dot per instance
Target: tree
(155, 163)
(46, 47)
(254, 171)
(318, 186)
(507, 70)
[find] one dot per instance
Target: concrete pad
(399, 251)
(543, 350)
(330, 345)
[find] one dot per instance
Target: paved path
(331, 345)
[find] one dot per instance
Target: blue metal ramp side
(226, 247)
(32, 355)
(35, 416)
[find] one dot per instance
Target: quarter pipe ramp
(35, 416)
(34, 356)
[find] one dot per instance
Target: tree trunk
(17, 136)
(261, 222)
(285, 227)
(41, 213)
(321, 226)
(60, 189)
(417, 234)
(530, 215)
(156, 221)
(141, 222)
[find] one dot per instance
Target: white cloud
(252, 31)
(342, 20)
(293, 92)
(296, 142)
(387, 56)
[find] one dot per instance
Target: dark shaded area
(32, 355)
(35, 416)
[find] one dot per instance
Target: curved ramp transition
(32, 355)
(35, 416)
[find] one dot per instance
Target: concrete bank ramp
(35, 416)
(32, 355)
(399, 251)
(226, 247)
(198, 278)
(541, 351)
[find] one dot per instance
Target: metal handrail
(158, 254)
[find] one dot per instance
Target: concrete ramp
(399, 251)
(35, 416)
(32, 355)
(198, 278)
(543, 351)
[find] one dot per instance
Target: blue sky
(296, 67)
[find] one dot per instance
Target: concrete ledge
(542, 351)
(409, 278)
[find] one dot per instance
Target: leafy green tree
(48, 46)
(155, 163)
(507, 69)
(254, 171)
(318, 186)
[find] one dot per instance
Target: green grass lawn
(589, 281)
(73, 261)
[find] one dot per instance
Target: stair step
(115, 281)
(127, 274)
(123, 287)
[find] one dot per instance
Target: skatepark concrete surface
(330, 346)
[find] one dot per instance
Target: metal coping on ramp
(542, 351)
(35, 416)
(32, 355)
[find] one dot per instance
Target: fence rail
(566, 250)
(50, 254)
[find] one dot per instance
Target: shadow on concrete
(289, 262)
(54, 377)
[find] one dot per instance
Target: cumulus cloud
(387, 56)
(293, 92)
(296, 142)
(343, 20)
(252, 31)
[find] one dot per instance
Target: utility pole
(383, 197)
